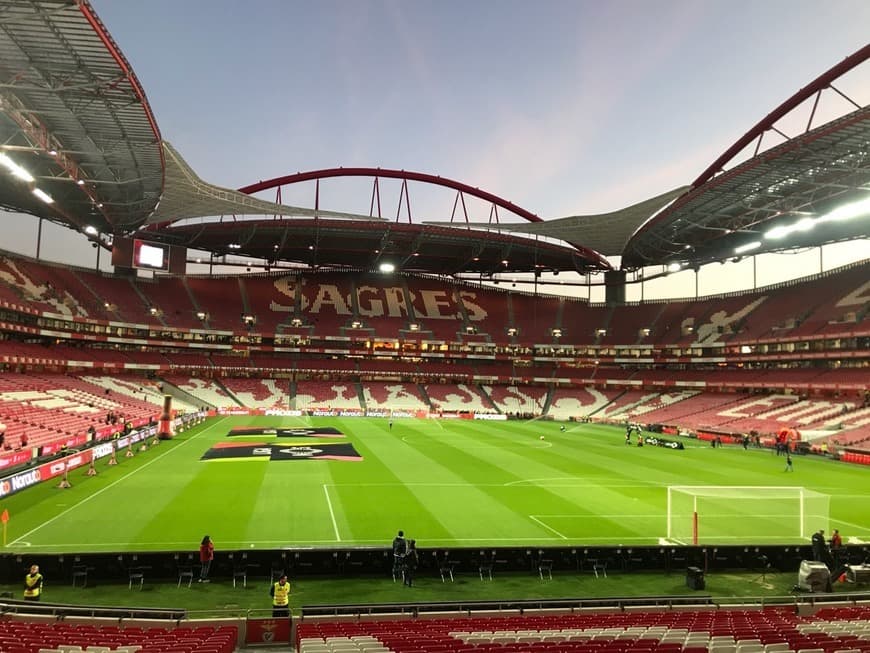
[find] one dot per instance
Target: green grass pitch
(445, 483)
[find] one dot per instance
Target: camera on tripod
(764, 566)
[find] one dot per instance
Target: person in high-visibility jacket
(33, 584)
(280, 593)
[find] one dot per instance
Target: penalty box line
(538, 519)
(331, 513)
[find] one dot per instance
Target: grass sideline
(446, 483)
(221, 598)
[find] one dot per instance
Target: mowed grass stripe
(455, 509)
(566, 456)
(111, 505)
(446, 483)
(371, 512)
(480, 455)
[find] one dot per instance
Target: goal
(714, 514)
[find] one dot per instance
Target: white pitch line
(549, 528)
(331, 513)
(111, 485)
(380, 544)
(547, 482)
(861, 529)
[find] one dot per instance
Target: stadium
(301, 383)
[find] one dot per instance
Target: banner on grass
(662, 442)
(299, 432)
(267, 451)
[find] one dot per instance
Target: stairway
(550, 392)
(603, 406)
(147, 302)
(489, 400)
(422, 390)
(291, 392)
(244, 293)
(196, 307)
(175, 391)
(361, 396)
(228, 392)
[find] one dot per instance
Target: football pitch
(294, 482)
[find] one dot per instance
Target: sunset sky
(560, 107)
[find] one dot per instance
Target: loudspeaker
(695, 578)
(814, 576)
(858, 573)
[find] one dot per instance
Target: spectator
(206, 555)
(818, 542)
(836, 547)
(399, 548)
(33, 584)
(280, 593)
(23, 442)
(410, 562)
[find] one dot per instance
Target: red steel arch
(405, 175)
(819, 84)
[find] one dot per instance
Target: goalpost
(731, 514)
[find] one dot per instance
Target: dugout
(377, 561)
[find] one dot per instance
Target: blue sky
(561, 107)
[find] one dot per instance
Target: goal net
(729, 515)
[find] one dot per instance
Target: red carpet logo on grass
(303, 432)
(260, 450)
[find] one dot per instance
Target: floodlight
(387, 267)
(45, 197)
(674, 267)
(848, 211)
(91, 230)
(15, 169)
(747, 247)
(777, 233)
(804, 224)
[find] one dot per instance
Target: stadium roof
(82, 148)
(607, 233)
(74, 117)
(811, 190)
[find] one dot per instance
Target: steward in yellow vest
(280, 593)
(33, 584)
